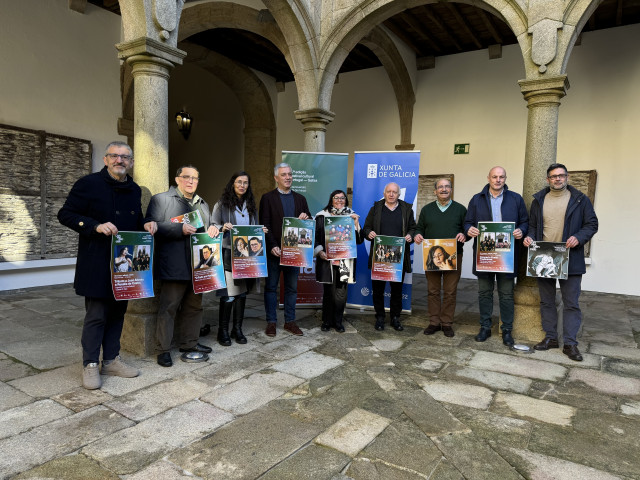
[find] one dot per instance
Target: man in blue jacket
(98, 206)
(496, 203)
(561, 213)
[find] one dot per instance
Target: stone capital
(544, 91)
(145, 46)
(315, 119)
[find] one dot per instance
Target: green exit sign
(461, 149)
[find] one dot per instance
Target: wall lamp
(184, 121)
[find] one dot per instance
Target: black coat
(172, 258)
(94, 199)
(580, 221)
(372, 223)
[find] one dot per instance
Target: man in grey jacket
(177, 301)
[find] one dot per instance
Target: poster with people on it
(132, 265)
(207, 272)
(340, 237)
(248, 259)
(548, 260)
(440, 254)
(388, 258)
(192, 218)
(297, 242)
(495, 250)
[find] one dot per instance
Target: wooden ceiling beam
(486, 19)
(435, 19)
(419, 30)
(463, 23)
(391, 24)
(78, 5)
(619, 13)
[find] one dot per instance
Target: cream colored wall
(216, 143)
(468, 98)
(60, 70)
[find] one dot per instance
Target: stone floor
(358, 405)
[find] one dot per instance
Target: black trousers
(103, 323)
(334, 299)
(395, 302)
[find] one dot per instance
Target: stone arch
(257, 110)
(576, 16)
(379, 42)
(355, 25)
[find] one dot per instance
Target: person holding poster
(337, 274)
(562, 213)
(442, 218)
(274, 206)
(178, 302)
(498, 204)
(93, 210)
(391, 217)
(237, 206)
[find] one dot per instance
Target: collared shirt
(392, 209)
(444, 207)
(283, 192)
(496, 206)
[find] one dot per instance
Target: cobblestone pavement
(358, 405)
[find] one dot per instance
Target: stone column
(151, 63)
(543, 101)
(314, 122)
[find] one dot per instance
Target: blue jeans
(290, 275)
(571, 314)
(505, 295)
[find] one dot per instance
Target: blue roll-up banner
(315, 175)
(371, 172)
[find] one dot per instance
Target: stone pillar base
(526, 321)
(139, 331)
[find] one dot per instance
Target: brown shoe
(292, 328)
(431, 329)
(447, 330)
(546, 344)
(271, 329)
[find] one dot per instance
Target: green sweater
(434, 223)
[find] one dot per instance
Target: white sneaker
(118, 368)
(91, 377)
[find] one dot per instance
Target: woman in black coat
(334, 275)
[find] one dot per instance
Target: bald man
(496, 203)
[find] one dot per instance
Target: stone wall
(39, 169)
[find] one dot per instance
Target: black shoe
(507, 339)
(164, 359)
(483, 334)
(395, 323)
(198, 348)
(224, 311)
(325, 327)
(572, 352)
(379, 323)
(205, 330)
(339, 328)
(431, 329)
(238, 318)
(546, 344)
(448, 331)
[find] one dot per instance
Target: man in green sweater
(442, 219)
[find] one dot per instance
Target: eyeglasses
(444, 187)
(114, 156)
(340, 199)
(557, 177)
(241, 184)
(189, 178)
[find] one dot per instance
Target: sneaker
(293, 329)
(118, 368)
(91, 377)
(271, 329)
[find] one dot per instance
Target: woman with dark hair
(439, 259)
(240, 247)
(337, 274)
(236, 206)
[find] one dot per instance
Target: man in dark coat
(392, 217)
(274, 206)
(561, 213)
(172, 267)
(98, 206)
(498, 204)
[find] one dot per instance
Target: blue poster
(371, 172)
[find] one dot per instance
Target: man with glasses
(255, 247)
(561, 213)
(98, 206)
(496, 203)
(177, 301)
(442, 218)
(274, 206)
